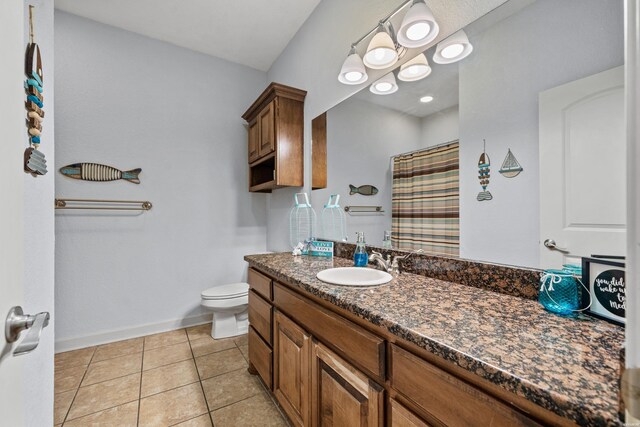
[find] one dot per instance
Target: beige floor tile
(69, 359)
(68, 379)
(230, 388)
(61, 403)
(241, 340)
(208, 345)
(258, 411)
(165, 338)
(104, 395)
(199, 332)
(244, 349)
(119, 348)
(201, 421)
(168, 377)
(112, 368)
(166, 355)
(220, 363)
(173, 406)
(121, 416)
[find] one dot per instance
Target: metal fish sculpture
(97, 172)
(483, 175)
(365, 190)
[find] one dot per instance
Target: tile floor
(178, 378)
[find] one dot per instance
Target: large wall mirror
(519, 143)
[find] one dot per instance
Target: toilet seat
(233, 290)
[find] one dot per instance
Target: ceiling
(247, 32)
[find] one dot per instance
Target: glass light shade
(385, 85)
(453, 49)
(381, 52)
(353, 71)
(426, 99)
(415, 69)
(419, 27)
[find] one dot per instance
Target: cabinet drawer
(446, 399)
(402, 417)
(260, 356)
(260, 316)
(361, 347)
(260, 283)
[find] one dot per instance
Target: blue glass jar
(559, 292)
(574, 269)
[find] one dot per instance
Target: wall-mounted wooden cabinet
(276, 139)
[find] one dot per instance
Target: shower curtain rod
(444, 144)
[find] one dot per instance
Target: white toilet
(229, 305)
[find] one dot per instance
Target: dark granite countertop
(566, 365)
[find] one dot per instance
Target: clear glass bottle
(360, 257)
(386, 241)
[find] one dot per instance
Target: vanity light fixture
(381, 52)
(353, 71)
(453, 48)
(415, 69)
(418, 27)
(386, 85)
(426, 99)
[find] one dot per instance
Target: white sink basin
(354, 276)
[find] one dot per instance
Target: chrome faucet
(391, 267)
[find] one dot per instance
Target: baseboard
(136, 331)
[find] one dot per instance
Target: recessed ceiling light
(426, 99)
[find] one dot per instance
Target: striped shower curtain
(425, 206)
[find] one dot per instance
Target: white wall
(361, 138)
(129, 101)
(544, 45)
(312, 61)
(440, 127)
(39, 233)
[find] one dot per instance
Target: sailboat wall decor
(510, 166)
(484, 174)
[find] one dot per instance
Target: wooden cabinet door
(292, 376)
(254, 141)
(341, 395)
(267, 119)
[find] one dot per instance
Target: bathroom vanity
(420, 351)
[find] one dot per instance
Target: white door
(12, 116)
(582, 169)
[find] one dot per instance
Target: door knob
(551, 244)
(17, 322)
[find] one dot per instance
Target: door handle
(17, 322)
(551, 244)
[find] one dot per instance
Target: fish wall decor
(510, 166)
(100, 173)
(365, 190)
(34, 161)
(484, 174)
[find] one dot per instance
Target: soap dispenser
(386, 241)
(360, 257)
